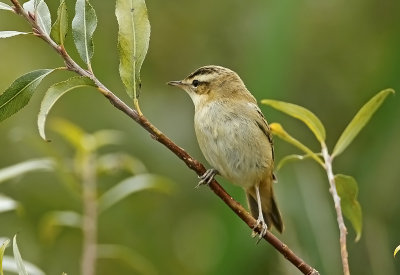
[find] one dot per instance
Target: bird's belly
(236, 148)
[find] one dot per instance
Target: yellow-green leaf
(54, 93)
(301, 113)
(83, 26)
(133, 42)
(2, 249)
(347, 189)
(359, 121)
(396, 250)
(278, 130)
(60, 27)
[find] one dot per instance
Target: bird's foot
(207, 177)
(262, 227)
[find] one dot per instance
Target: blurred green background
(329, 56)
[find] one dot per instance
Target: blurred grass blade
(7, 34)
(132, 185)
(25, 167)
(359, 121)
(83, 26)
(7, 204)
(42, 13)
(113, 162)
(278, 130)
(18, 259)
(70, 132)
(396, 250)
(20, 92)
(9, 265)
(4, 6)
(52, 221)
(301, 113)
(347, 189)
(133, 41)
(54, 93)
(290, 158)
(60, 27)
(134, 260)
(2, 249)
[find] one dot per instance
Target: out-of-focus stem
(89, 223)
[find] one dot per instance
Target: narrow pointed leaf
(347, 189)
(301, 113)
(41, 11)
(133, 41)
(2, 249)
(4, 6)
(132, 185)
(22, 168)
(359, 121)
(7, 34)
(54, 93)
(83, 26)
(18, 258)
(290, 158)
(396, 250)
(278, 130)
(7, 204)
(20, 92)
(60, 27)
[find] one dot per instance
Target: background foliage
(329, 57)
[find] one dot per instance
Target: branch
(338, 208)
(157, 135)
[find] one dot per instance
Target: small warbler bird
(235, 138)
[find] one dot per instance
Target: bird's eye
(195, 83)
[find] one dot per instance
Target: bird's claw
(207, 177)
(263, 230)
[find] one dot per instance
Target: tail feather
(271, 213)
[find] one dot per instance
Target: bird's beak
(177, 83)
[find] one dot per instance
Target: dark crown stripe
(204, 71)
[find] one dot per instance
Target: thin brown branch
(338, 208)
(192, 163)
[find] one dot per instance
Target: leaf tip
(396, 250)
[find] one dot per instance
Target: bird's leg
(207, 177)
(260, 219)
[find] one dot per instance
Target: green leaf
(4, 6)
(132, 185)
(41, 11)
(54, 93)
(7, 34)
(359, 121)
(301, 113)
(278, 130)
(18, 258)
(347, 189)
(133, 42)
(22, 168)
(20, 92)
(70, 132)
(83, 26)
(2, 249)
(290, 158)
(60, 27)
(396, 250)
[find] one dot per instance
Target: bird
(235, 139)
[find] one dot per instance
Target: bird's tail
(270, 210)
